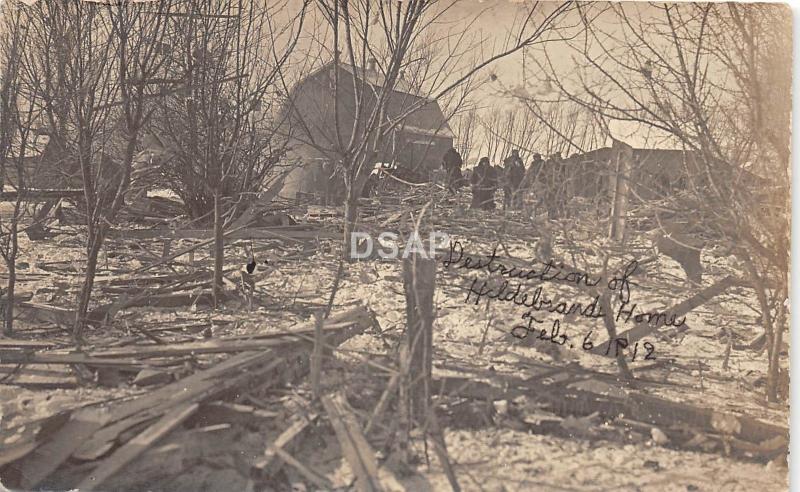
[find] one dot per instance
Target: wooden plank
(205, 385)
(151, 405)
(262, 342)
(47, 457)
(313, 477)
(103, 440)
(20, 357)
(643, 329)
(278, 232)
(6, 343)
(266, 465)
(9, 454)
(137, 446)
(223, 412)
(355, 448)
(200, 382)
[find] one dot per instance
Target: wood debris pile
(189, 418)
(249, 412)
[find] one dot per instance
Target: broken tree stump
(622, 155)
(419, 275)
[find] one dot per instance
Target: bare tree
(464, 126)
(88, 65)
(219, 127)
(714, 81)
(399, 37)
(14, 143)
(507, 129)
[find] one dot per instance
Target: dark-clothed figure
(554, 193)
(531, 179)
(484, 185)
(452, 162)
(534, 171)
(370, 185)
(513, 174)
(331, 183)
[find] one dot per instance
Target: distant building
(45, 164)
(415, 147)
(655, 173)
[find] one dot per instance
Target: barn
(415, 147)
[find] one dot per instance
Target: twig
(383, 402)
(440, 448)
(486, 330)
(728, 347)
(316, 358)
(339, 271)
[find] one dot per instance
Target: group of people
(486, 179)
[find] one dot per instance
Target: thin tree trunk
(8, 308)
(350, 215)
(8, 327)
(773, 377)
(771, 330)
(11, 263)
(774, 361)
(611, 329)
(93, 251)
(219, 251)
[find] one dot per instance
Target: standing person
(452, 162)
(534, 170)
(476, 179)
(483, 181)
(490, 187)
(530, 177)
(332, 182)
(553, 189)
(513, 174)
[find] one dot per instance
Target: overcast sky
(492, 21)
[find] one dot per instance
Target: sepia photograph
(394, 245)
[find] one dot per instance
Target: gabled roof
(375, 78)
(428, 120)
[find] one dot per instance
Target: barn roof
(428, 120)
(375, 78)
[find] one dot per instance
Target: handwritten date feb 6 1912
(556, 336)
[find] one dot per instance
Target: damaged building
(317, 109)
